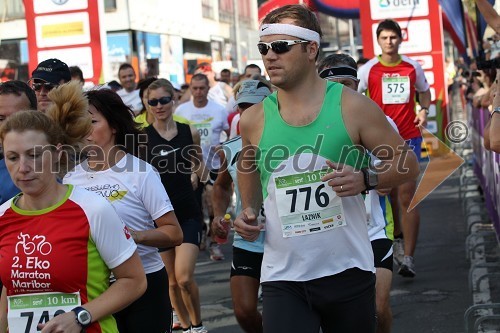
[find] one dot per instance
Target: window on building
(244, 10)
(14, 9)
(109, 5)
(207, 9)
(226, 11)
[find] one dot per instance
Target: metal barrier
(486, 165)
(479, 193)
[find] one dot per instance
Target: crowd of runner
(108, 194)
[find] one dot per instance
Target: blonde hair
(161, 83)
(66, 122)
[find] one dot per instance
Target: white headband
(289, 29)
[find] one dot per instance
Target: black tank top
(172, 159)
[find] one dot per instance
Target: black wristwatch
(495, 110)
(426, 110)
(370, 178)
(83, 317)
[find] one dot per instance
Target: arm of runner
(168, 233)
(486, 134)
(490, 14)
(3, 311)
(130, 284)
(425, 101)
(494, 132)
(199, 167)
(367, 126)
(384, 191)
(246, 223)
(221, 195)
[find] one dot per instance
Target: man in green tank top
(303, 158)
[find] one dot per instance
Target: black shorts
(191, 230)
(152, 312)
(343, 302)
(246, 263)
(382, 253)
(213, 176)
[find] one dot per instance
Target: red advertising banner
(68, 30)
(422, 27)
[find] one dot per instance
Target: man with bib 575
(392, 81)
(303, 156)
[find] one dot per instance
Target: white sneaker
(203, 240)
(215, 253)
(176, 324)
(398, 250)
(407, 268)
(200, 329)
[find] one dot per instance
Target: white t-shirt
(134, 189)
(378, 211)
(131, 99)
(231, 105)
(217, 94)
(210, 121)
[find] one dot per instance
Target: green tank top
(325, 136)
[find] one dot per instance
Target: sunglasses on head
(37, 86)
(278, 46)
(163, 101)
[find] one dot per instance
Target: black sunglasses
(278, 46)
(163, 101)
(37, 86)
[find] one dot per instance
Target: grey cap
(252, 91)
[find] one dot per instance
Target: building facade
(165, 38)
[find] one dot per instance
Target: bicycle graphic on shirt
(37, 243)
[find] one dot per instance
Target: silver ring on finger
(341, 188)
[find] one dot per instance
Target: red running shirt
(393, 87)
(69, 247)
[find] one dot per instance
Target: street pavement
(434, 301)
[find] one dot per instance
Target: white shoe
(215, 252)
(200, 329)
(398, 250)
(176, 324)
(407, 268)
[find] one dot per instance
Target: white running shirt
(134, 189)
(210, 121)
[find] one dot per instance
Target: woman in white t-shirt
(135, 190)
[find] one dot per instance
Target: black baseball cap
(52, 70)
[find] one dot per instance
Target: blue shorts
(191, 230)
(416, 145)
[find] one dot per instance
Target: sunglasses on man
(37, 86)
(163, 100)
(278, 46)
